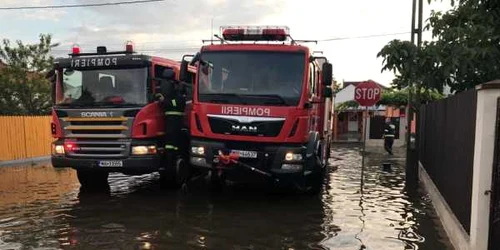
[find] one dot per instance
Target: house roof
(355, 83)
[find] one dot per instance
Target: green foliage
(346, 105)
(400, 97)
(25, 89)
(466, 50)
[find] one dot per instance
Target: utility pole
(412, 142)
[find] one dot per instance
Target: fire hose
(225, 160)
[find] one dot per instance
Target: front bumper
(122, 162)
(270, 159)
(131, 165)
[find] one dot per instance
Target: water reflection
(242, 219)
(41, 208)
(372, 208)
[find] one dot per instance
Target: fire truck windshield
(251, 77)
(104, 86)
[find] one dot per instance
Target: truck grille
(96, 137)
(79, 127)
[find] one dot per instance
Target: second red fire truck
(105, 118)
(259, 111)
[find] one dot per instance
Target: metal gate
(494, 239)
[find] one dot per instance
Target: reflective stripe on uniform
(174, 103)
(172, 147)
(389, 135)
(174, 113)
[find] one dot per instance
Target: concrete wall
(483, 166)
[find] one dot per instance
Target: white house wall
(344, 95)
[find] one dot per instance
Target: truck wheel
(214, 181)
(315, 182)
(168, 178)
(183, 172)
(315, 179)
(176, 176)
(92, 179)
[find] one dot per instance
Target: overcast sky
(174, 27)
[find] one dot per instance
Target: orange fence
(24, 137)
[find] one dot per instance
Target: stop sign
(367, 93)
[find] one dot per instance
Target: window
(117, 86)
(251, 77)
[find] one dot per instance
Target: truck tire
(314, 180)
(176, 176)
(168, 178)
(214, 181)
(90, 179)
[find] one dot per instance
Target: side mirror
(52, 78)
(327, 74)
(183, 74)
(327, 92)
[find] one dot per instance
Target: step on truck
(261, 109)
(105, 117)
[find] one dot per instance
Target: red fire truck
(105, 118)
(259, 109)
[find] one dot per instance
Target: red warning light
(129, 47)
(75, 50)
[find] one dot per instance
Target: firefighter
(173, 103)
(389, 134)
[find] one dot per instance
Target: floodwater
(43, 208)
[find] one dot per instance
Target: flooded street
(43, 208)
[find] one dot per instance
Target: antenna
(212, 30)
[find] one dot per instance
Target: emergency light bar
(255, 33)
(101, 50)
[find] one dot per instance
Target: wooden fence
(24, 137)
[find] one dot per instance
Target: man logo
(238, 128)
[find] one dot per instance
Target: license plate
(110, 164)
(245, 154)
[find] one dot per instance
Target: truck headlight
(57, 149)
(143, 150)
(198, 150)
(293, 157)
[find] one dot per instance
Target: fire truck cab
(259, 109)
(105, 118)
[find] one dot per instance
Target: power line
(182, 46)
(78, 5)
(366, 36)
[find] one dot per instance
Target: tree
(468, 42)
(466, 50)
(25, 89)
